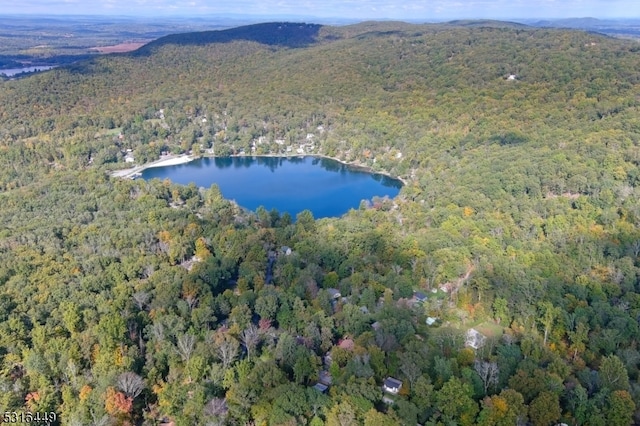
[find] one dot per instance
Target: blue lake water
(36, 68)
(289, 184)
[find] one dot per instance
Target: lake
(289, 184)
(36, 68)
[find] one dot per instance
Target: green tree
(455, 402)
(620, 408)
(544, 410)
(612, 374)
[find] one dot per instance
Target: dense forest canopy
(133, 302)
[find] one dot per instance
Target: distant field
(120, 48)
(65, 39)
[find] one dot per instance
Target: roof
(320, 387)
(324, 377)
(346, 344)
(474, 339)
(334, 292)
(392, 383)
(420, 295)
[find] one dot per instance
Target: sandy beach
(166, 161)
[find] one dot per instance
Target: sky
(427, 10)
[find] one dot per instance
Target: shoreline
(170, 160)
(184, 159)
(358, 166)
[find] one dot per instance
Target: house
(392, 385)
(431, 320)
(129, 159)
(334, 293)
(322, 388)
(376, 326)
(346, 344)
(324, 377)
(419, 297)
(512, 77)
(474, 339)
(286, 250)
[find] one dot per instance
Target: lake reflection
(289, 184)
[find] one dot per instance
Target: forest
(132, 302)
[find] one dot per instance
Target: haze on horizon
(427, 10)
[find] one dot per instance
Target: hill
(133, 301)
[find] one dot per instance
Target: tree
(620, 408)
(185, 345)
(227, 349)
(422, 395)
(455, 403)
(131, 384)
(500, 309)
(407, 412)
(613, 375)
(410, 365)
(305, 222)
(506, 409)
(376, 418)
(304, 366)
(250, 337)
(267, 305)
(116, 403)
(545, 409)
(548, 315)
(578, 338)
(488, 372)
(217, 410)
(342, 414)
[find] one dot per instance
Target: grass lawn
(490, 329)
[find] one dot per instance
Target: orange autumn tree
(117, 403)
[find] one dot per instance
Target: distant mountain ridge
(273, 34)
(614, 27)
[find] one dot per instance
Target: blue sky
(352, 9)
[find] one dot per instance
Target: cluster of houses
(307, 147)
(391, 385)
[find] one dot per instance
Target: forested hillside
(134, 302)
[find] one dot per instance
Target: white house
(475, 339)
(392, 385)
